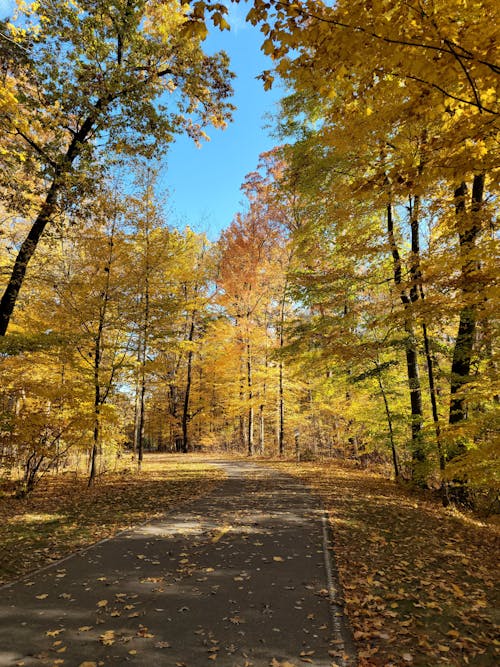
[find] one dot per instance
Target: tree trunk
(46, 213)
(140, 421)
(262, 429)
(389, 424)
(411, 352)
(281, 425)
(187, 393)
(143, 358)
(100, 397)
(24, 255)
(137, 400)
(250, 401)
(281, 430)
(435, 415)
(97, 411)
(468, 230)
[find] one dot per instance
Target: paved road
(238, 578)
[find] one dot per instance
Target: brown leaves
(74, 516)
(417, 579)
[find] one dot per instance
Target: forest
(349, 310)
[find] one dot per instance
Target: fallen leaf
(278, 559)
(102, 603)
(42, 596)
(143, 632)
(107, 638)
(236, 620)
(54, 633)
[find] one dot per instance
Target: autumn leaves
(349, 308)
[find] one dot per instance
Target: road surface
(242, 577)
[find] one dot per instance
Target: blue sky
(204, 183)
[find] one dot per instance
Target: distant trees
(350, 308)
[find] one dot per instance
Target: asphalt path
(242, 577)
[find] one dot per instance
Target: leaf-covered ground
(62, 515)
(420, 582)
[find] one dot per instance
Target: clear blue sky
(204, 183)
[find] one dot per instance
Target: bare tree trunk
(100, 397)
(250, 401)
(435, 414)
(416, 292)
(389, 424)
(411, 351)
(97, 411)
(469, 228)
(137, 399)
(142, 396)
(187, 392)
(24, 256)
(262, 429)
(281, 428)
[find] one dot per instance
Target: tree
(90, 305)
(123, 73)
(151, 257)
